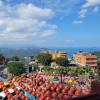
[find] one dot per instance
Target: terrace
(40, 86)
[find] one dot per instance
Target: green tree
(98, 70)
(62, 61)
(15, 67)
(44, 59)
(7, 60)
(15, 58)
(48, 69)
(2, 59)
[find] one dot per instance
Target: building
(85, 58)
(55, 54)
(29, 59)
(58, 54)
(46, 51)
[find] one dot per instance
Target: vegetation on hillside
(62, 61)
(98, 55)
(44, 59)
(69, 70)
(2, 59)
(15, 67)
(15, 58)
(9, 52)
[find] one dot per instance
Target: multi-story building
(85, 58)
(55, 54)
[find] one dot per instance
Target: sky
(50, 23)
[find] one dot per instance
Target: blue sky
(50, 23)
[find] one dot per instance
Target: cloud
(96, 9)
(31, 11)
(82, 13)
(69, 40)
(77, 22)
(25, 22)
(59, 6)
(90, 3)
(85, 9)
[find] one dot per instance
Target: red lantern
(54, 94)
(35, 87)
(79, 89)
(17, 92)
(12, 98)
(23, 97)
(56, 84)
(43, 91)
(78, 93)
(34, 93)
(58, 90)
(44, 79)
(20, 94)
(48, 93)
(48, 87)
(38, 95)
(54, 99)
(39, 89)
(64, 91)
(72, 89)
(40, 83)
(30, 91)
(44, 85)
(66, 97)
(70, 93)
(9, 96)
(66, 87)
(37, 81)
(87, 91)
(27, 98)
(51, 82)
(60, 86)
(47, 98)
(52, 88)
(27, 89)
(42, 98)
(60, 96)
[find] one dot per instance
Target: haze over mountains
(29, 51)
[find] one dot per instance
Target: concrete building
(85, 58)
(58, 54)
(55, 54)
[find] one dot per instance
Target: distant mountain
(9, 52)
(22, 52)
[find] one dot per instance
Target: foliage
(14, 58)
(61, 70)
(15, 67)
(98, 70)
(48, 69)
(62, 61)
(7, 60)
(98, 54)
(44, 58)
(70, 70)
(2, 59)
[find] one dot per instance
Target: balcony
(91, 61)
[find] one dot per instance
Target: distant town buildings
(85, 58)
(58, 54)
(55, 54)
(28, 59)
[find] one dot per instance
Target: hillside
(9, 52)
